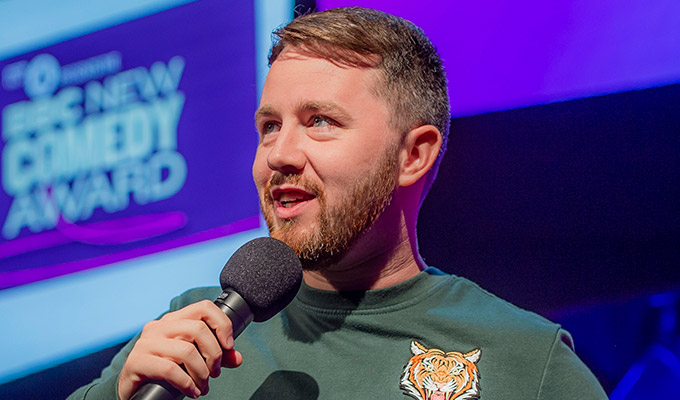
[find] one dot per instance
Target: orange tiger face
(432, 374)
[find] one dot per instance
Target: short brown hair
(413, 84)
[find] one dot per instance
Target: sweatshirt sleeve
(106, 386)
(565, 376)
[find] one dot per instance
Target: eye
(269, 127)
(427, 364)
(457, 369)
(319, 121)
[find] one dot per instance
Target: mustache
(293, 179)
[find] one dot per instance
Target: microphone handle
(234, 307)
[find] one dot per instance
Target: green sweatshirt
(432, 337)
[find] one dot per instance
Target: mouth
(437, 394)
(289, 201)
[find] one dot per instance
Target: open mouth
(437, 395)
(290, 197)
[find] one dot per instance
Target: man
(353, 121)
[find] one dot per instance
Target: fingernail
(197, 393)
(230, 343)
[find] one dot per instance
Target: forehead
(296, 77)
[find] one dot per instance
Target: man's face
(326, 165)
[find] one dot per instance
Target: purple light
(501, 54)
(22, 277)
(122, 230)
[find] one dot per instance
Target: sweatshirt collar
(400, 294)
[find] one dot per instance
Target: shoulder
(511, 339)
(195, 295)
(485, 312)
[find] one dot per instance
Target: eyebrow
(324, 107)
(308, 106)
(264, 111)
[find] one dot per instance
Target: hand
(184, 337)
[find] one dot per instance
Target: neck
(383, 269)
(384, 255)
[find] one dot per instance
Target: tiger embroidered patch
(432, 374)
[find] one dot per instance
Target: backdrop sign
(130, 140)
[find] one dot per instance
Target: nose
(287, 155)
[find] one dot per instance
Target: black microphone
(260, 279)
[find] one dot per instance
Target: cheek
(344, 164)
(260, 170)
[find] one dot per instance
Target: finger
(158, 368)
(209, 347)
(192, 331)
(181, 352)
(231, 359)
(207, 311)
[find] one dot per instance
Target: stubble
(337, 226)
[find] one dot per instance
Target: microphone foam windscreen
(266, 273)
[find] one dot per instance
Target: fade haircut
(412, 79)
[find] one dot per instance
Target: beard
(337, 226)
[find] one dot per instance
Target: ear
(473, 356)
(417, 348)
(419, 152)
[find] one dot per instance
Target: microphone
(260, 279)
